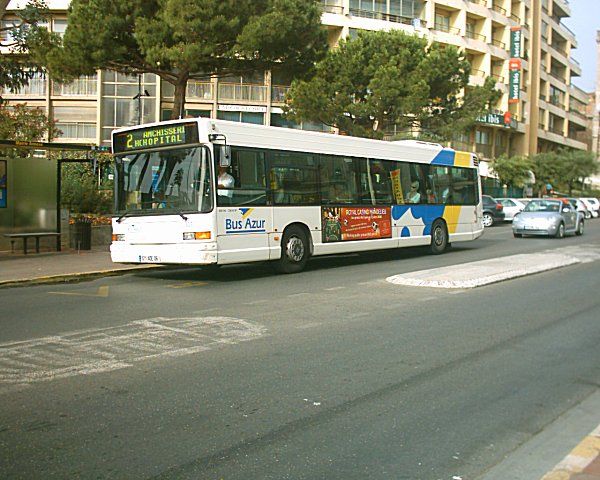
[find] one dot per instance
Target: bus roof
(277, 138)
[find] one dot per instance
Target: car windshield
(543, 206)
(164, 182)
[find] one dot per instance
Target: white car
(593, 205)
(512, 206)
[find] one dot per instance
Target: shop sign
(514, 87)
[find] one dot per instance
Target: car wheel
(439, 237)
(294, 251)
(488, 220)
(560, 233)
(579, 230)
(517, 235)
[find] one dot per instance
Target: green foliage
(180, 40)
(512, 171)
(381, 79)
(563, 169)
(17, 65)
(20, 122)
(81, 189)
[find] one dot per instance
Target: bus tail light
(196, 236)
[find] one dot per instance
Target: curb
(582, 463)
(72, 277)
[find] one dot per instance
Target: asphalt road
(332, 373)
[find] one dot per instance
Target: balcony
(498, 78)
(331, 7)
(478, 73)
(515, 18)
(499, 43)
(556, 101)
(440, 27)
(278, 93)
(200, 90)
(499, 9)
(37, 87)
(388, 17)
(479, 2)
(475, 36)
(242, 92)
(82, 87)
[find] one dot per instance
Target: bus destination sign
(156, 137)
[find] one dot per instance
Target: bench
(37, 235)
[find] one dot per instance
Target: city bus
(213, 192)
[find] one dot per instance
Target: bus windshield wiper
(120, 219)
(180, 213)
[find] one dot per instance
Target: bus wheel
(439, 237)
(294, 250)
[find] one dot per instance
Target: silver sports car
(548, 216)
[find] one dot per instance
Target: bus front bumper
(193, 253)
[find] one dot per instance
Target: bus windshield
(164, 182)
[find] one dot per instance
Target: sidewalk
(47, 267)
(583, 463)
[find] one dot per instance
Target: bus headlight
(196, 235)
(118, 237)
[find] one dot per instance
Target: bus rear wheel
(294, 251)
(439, 237)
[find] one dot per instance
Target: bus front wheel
(294, 250)
(439, 237)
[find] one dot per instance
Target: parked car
(593, 205)
(580, 206)
(493, 211)
(553, 217)
(512, 206)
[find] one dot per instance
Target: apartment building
(539, 109)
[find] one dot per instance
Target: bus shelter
(30, 187)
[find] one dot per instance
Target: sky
(584, 21)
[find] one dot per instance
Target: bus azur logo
(245, 224)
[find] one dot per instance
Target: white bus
(213, 192)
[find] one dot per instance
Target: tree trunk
(179, 99)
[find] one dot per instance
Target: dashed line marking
(187, 285)
(309, 325)
(101, 292)
(334, 289)
(301, 294)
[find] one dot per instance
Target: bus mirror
(224, 156)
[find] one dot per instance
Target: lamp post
(139, 96)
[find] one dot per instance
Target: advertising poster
(342, 224)
(515, 42)
(397, 187)
(3, 184)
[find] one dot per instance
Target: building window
(244, 117)
(59, 26)
(119, 108)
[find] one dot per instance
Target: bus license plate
(148, 258)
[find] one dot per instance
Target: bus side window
(293, 178)
(248, 171)
(339, 178)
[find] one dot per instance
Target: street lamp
(139, 96)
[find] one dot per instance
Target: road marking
(187, 284)
(301, 294)
(96, 350)
(256, 302)
(309, 325)
(101, 292)
(334, 289)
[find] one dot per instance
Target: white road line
(309, 325)
(90, 351)
(334, 289)
(301, 294)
